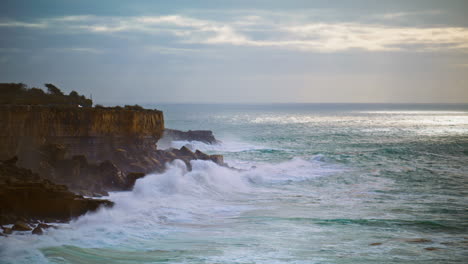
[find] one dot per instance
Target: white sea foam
(168, 202)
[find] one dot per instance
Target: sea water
(313, 183)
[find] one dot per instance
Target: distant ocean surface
(315, 183)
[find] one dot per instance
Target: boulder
(218, 159)
(24, 194)
(132, 177)
(21, 226)
(201, 155)
(184, 151)
(37, 231)
(205, 136)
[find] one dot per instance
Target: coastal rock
(205, 136)
(131, 179)
(92, 150)
(24, 194)
(7, 231)
(218, 159)
(37, 231)
(21, 226)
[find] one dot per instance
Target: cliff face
(90, 150)
(84, 131)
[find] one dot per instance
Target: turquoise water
(315, 184)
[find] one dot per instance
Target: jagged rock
(218, 159)
(7, 231)
(53, 152)
(90, 150)
(24, 194)
(205, 136)
(184, 151)
(132, 177)
(21, 226)
(45, 226)
(201, 155)
(37, 231)
(111, 176)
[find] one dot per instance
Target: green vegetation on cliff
(20, 94)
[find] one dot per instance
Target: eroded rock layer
(26, 195)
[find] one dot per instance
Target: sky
(243, 51)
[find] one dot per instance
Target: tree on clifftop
(52, 89)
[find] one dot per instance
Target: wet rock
(184, 151)
(37, 231)
(205, 136)
(45, 226)
(21, 226)
(201, 155)
(132, 177)
(111, 176)
(218, 159)
(24, 194)
(7, 231)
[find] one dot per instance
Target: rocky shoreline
(53, 155)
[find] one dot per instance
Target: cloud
(264, 31)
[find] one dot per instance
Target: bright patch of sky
(240, 51)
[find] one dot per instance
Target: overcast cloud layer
(245, 53)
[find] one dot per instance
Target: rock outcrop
(25, 195)
(94, 132)
(56, 148)
(92, 150)
(205, 136)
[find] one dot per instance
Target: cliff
(86, 131)
(90, 150)
(25, 195)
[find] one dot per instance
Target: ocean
(313, 183)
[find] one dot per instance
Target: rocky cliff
(25, 195)
(94, 132)
(90, 150)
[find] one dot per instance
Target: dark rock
(11, 161)
(53, 152)
(205, 136)
(111, 176)
(218, 159)
(81, 159)
(184, 151)
(37, 231)
(7, 231)
(201, 155)
(132, 177)
(28, 196)
(21, 226)
(45, 226)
